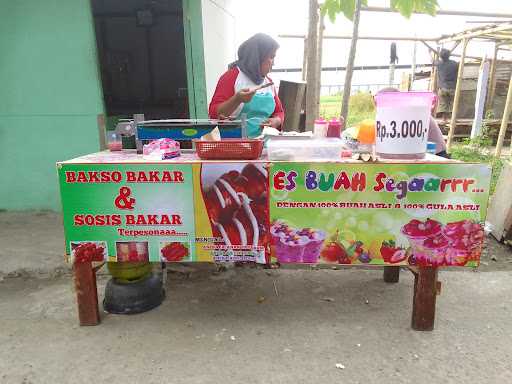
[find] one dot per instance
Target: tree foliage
(406, 7)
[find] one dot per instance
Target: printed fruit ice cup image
(87, 251)
(290, 248)
(132, 251)
(433, 251)
(174, 251)
(293, 245)
(466, 241)
(314, 246)
(417, 231)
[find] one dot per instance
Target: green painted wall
(50, 95)
(194, 51)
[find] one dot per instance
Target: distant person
(446, 80)
(243, 88)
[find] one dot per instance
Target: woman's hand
(245, 95)
(274, 122)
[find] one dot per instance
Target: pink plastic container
(402, 124)
(334, 128)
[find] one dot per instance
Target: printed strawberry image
(174, 252)
(87, 252)
(388, 251)
(416, 229)
(334, 251)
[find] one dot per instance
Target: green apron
(260, 108)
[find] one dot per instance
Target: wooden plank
(102, 131)
(499, 214)
(391, 274)
(291, 95)
(86, 294)
(481, 90)
(424, 300)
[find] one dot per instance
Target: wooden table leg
(391, 274)
(86, 294)
(424, 300)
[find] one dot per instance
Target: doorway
(141, 54)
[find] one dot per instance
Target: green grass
(361, 107)
(473, 153)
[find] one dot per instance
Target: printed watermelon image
(88, 251)
(132, 251)
(174, 251)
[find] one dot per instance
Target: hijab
(252, 53)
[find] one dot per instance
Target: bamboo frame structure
(500, 33)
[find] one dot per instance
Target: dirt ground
(249, 324)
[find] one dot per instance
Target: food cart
(419, 214)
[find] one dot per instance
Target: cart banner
(232, 220)
(383, 214)
(128, 212)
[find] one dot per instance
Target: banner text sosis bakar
(124, 199)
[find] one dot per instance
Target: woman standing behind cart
(242, 90)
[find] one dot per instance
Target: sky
(276, 17)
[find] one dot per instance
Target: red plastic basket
(229, 149)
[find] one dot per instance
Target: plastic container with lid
(114, 142)
(402, 124)
(299, 150)
(320, 128)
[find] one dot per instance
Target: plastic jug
(320, 128)
(402, 124)
(334, 128)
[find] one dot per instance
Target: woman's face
(266, 65)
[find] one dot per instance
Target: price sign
(402, 130)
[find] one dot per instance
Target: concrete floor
(251, 325)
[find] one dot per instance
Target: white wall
(219, 40)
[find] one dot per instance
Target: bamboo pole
(348, 37)
(350, 65)
(311, 104)
(456, 98)
(305, 59)
(492, 81)
(318, 88)
(413, 70)
(504, 121)
(433, 73)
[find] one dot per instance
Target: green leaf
(406, 7)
